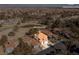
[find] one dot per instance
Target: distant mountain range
(39, 5)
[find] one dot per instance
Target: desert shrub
(11, 34)
(27, 33)
(33, 31)
(0, 25)
(3, 39)
(76, 22)
(44, 22)
(15, 28)
(56, 23)
(18, 23)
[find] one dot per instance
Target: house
(31, 41)
(28, 45)
(34, 44)
(42, 39)
(10, 45)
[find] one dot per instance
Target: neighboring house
(13, 46)
(42, 38)
(10, 45)
(31, 41)
(28, 46)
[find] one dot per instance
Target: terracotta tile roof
(47, 32)
(11, 43)
(30, 40)
(42, 36)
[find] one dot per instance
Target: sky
(32, 5)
